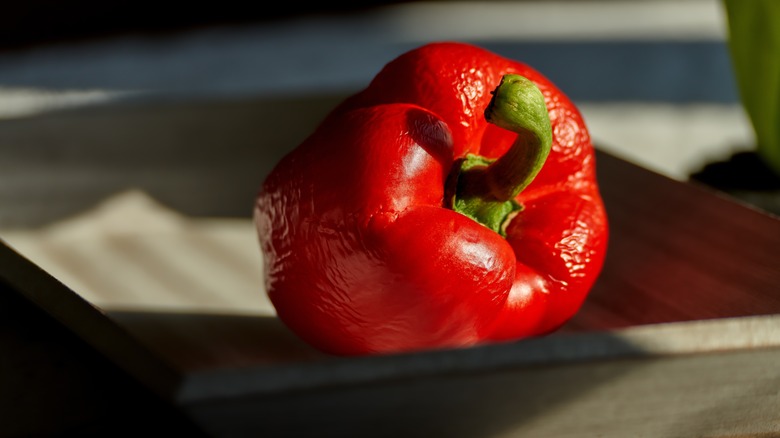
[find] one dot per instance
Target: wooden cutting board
(680, 336)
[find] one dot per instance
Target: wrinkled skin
(363, 256)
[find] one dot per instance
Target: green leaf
(754, 42)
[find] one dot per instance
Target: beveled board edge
(649, 341)
(88, 322)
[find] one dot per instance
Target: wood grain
(679, 252)
(678, 338)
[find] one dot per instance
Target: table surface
(194, 331)
(678, 252)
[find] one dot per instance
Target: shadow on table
(248, 374)
(746, 177)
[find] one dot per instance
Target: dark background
(29, 23)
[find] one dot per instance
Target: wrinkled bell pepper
(452, 202)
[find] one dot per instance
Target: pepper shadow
(246, 375)
(745, 176)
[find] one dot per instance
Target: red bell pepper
(452, 202)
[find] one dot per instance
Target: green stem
(486, 189)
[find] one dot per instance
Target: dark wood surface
(678, 252)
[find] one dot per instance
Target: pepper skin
(453, 202)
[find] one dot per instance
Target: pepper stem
(486, 189)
